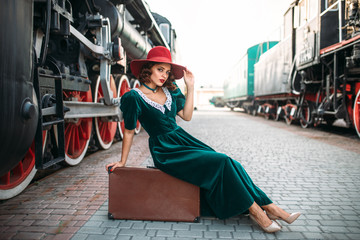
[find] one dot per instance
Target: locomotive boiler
(64, 65)
(313, 74)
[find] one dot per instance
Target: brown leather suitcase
(150, 194)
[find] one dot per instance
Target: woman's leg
(259, 215)
(276, 211)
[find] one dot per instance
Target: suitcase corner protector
(110, 216)
(197, 220)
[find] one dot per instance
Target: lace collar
(156, 105)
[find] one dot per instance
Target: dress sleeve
(129, 105)
(179, 99)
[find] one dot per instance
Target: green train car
(239, 85)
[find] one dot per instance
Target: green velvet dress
(226, 188)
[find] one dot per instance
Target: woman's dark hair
(145, 73)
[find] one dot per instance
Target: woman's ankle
(276, 211)
(260, 215)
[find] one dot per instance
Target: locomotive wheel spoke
(267, 116)
(17, 179)
(124, 86)
(279, 113)
(82, 132)
(105, 130)
(5, 179)
(288, 120)
(76, 137)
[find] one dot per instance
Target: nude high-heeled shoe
(289, 220)
(274, 227)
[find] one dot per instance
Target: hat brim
(176, 69)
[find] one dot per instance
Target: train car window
(165, 29)
(302, 12)
(313, 8)
(329, 3)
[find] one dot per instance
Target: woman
(226, 188)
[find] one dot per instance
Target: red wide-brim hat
(158, 54)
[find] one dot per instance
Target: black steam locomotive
(313, 74)
(64, 66)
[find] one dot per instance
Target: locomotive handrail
(292, 75)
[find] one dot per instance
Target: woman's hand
(114, 165)
(189, 79)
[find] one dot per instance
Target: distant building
(203, 95)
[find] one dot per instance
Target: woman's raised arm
(187, 111)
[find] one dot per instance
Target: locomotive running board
(85, 110)
(88, 109)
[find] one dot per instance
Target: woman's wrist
(190, 88)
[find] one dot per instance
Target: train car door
(288, 50)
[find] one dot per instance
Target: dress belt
(166, 133)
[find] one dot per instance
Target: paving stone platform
(304, 170)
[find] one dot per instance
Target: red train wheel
(268, 109)
(77, 131)
(124, 86)
(18, 178)
(356, 113)
(306, 114)
(266, 114)
(289, 112)
(279, 112)
(105, 130)
(136, 84)
(288, 118)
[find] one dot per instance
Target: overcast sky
(213, 35)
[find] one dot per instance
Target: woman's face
(160, 73)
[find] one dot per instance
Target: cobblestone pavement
(310, 171)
